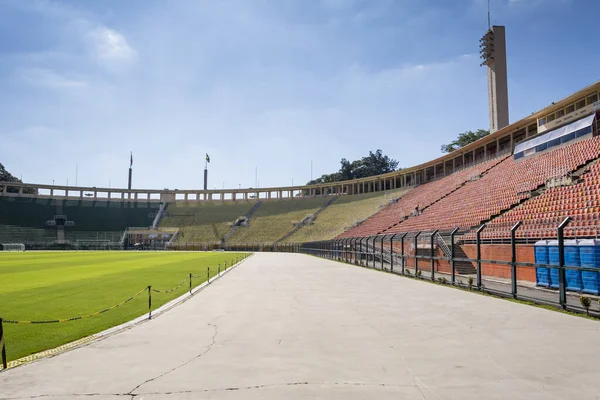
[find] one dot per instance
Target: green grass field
(59, 285)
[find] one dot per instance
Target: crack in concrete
(226, 389)
(39, 396)
(206, 350)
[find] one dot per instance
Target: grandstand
(539, 170)
(274, 219)
(33, 220)
(345, 213)
(419, 200)
(206, 222)
(498, 190)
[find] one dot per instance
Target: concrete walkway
(290, 326)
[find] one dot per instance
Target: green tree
(374, 164)
(6, 176)
(464, 139)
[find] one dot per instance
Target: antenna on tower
(489, 23)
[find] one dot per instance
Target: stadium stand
(105, 216)
(25, 219)
(275, 218)
(423, 196)
(204, 222)
(344, 213)
(503, 187)
(542, 214)
(539, 170)
(20, 234)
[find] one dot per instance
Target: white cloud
(47, 78)
(110, 49)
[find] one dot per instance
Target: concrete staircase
(235, 228)
(159, 214)
(307, 220)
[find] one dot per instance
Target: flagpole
(130, 172)
(206, 172)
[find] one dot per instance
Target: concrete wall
(498, 252)
(502, 252)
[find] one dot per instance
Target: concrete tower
(493, 54)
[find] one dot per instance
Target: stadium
(514, 214)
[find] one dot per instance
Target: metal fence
(504, 269)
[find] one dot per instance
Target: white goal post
(12, 247)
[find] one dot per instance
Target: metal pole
(481, 228)
(190, 283)
(432, 257)
(562, 280)
(3, 347)
(362, 250)
(346, 241)
(208, 274)
(513, 259)
(402, 253)
(416, 257)
(332, 247)
(149, 302)
(373, 250)
(392, 252)
(382, 238)
(452, 262)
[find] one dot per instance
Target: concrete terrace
(296, 327)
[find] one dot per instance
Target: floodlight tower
(493, 54)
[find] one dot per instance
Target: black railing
(496, 269)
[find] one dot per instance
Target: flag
(131, 160)
(207, 158)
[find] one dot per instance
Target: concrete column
(280, 194)
(21, 190)
(96, 195)
(269, 195)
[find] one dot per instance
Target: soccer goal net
(12, 247)
(97, 245)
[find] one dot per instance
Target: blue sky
(271, 84)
